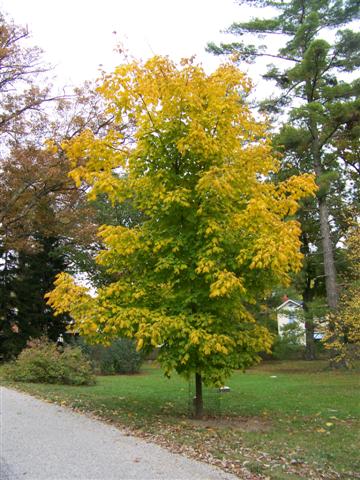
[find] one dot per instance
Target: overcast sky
(78, 35)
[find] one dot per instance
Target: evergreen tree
(26, 278)
(323, 108)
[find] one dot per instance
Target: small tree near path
(215, 234)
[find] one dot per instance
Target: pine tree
(323, 107)
(23, 311)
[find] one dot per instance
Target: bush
(289, 346)
(42, 362)
(120, 358)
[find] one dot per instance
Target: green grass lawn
(283, 420)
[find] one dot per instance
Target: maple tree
(215, 232)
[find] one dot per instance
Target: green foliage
(121, 357)
(288, 346)
(42, 362)
(24, 280)
(105, 213)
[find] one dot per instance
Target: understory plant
(121, 357)
(43, 362)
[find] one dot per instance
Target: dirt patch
(245, 424)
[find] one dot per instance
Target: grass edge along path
(281, 420)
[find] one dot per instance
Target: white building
(288, 313)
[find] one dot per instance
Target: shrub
(121, 357)
(289, 346)
(42, 362)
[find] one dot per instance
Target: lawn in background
(281, 420)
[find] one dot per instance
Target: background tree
(25, 279)
(41, 231)
(320, 133)
(185, 150)
(45, 223)
(21, 72)
(343, 328)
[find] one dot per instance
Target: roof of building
(289, 302)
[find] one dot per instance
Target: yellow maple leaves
(225, 283)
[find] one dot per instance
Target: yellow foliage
(225, 283)
(343, 327)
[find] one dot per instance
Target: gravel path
(41, 441)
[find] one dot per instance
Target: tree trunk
(329, 262)
(328, 255)
(198, 401)
(310, 352)
(308, 295)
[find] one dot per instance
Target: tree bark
(329, 262)
(308, 295)
(310, 352)
(198, 401)
(328, 255)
